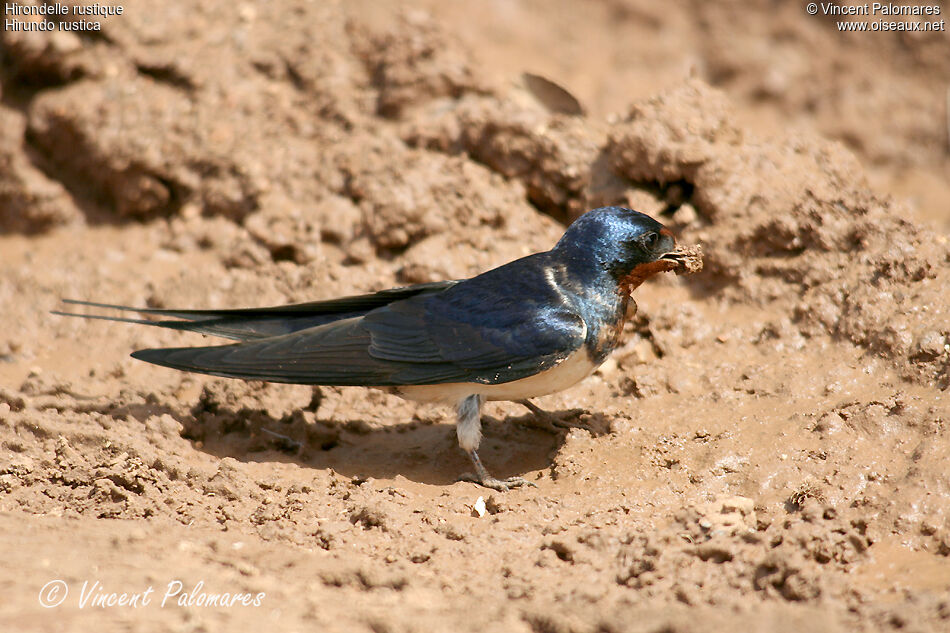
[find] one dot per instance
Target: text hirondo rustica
(57, 16)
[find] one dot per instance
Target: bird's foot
(501, 485)
(482, 477)
(552, 422)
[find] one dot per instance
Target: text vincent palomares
(877, 8)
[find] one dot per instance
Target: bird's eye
(650, 239)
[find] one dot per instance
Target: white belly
(567, 373)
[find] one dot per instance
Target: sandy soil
(768, 451)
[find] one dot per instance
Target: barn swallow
(531, 327)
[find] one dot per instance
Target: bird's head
(628, 245)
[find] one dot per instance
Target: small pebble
(478, 510)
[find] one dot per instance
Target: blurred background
(883, 95)
(886, 96)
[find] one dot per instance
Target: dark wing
(505, 324)
(498, 327)
(255, 323)
(331, 354)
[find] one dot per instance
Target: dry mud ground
(769, 450)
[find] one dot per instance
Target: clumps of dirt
(420, 194)
(413, 62)
(730, 515)
(793, 214)
(552, 155)
(30, 201)
(670, 137)
(47, 58)
(260, 417)
(80, 475)
(132, 462)
(689, 259)
(138, 129)
(723, 538)
(145, 151)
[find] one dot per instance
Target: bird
(531, 327)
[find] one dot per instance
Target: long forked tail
(239, 327)
(247, 324)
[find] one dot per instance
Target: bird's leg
(469, 430)
(548, 421)
(484, 478)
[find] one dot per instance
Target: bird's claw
(552, 422)
(483, 478)
(501, 485)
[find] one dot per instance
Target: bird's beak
(676, 256)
